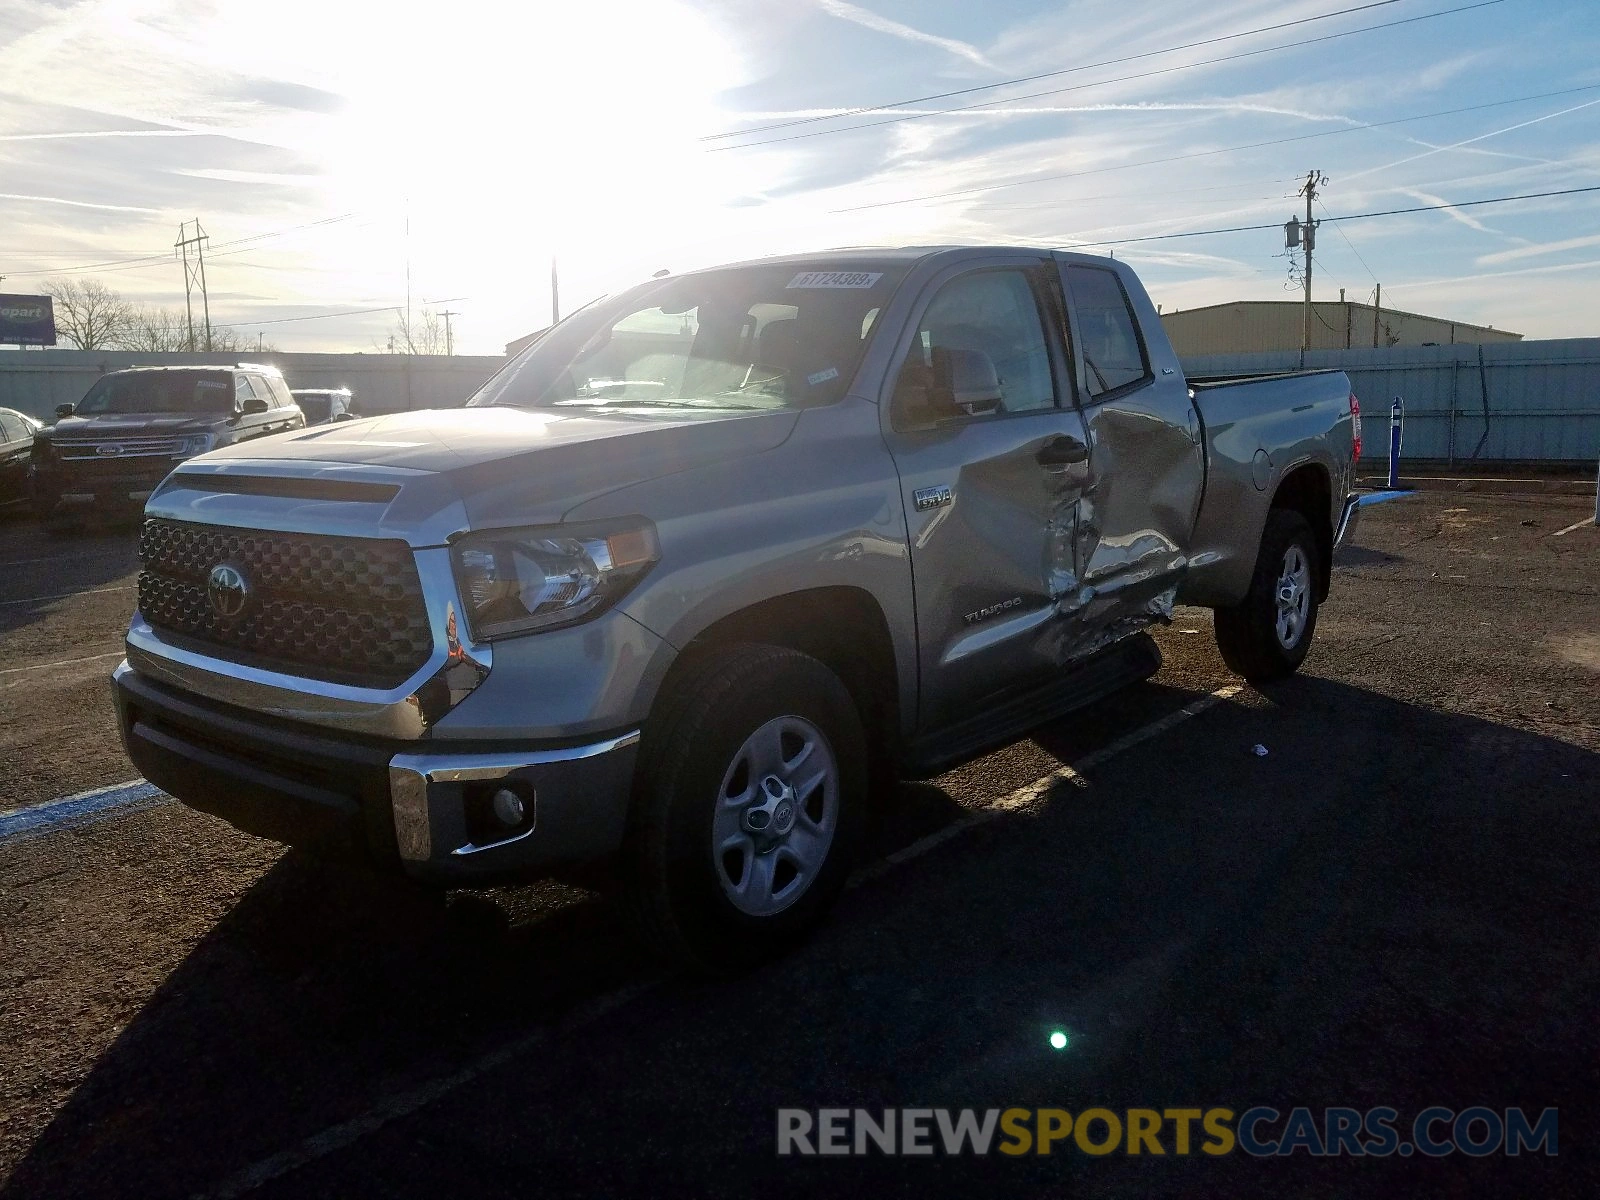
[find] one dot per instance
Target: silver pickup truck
(679, 588)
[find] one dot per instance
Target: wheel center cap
(773, 813)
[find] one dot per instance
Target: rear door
(1146, 458)
(990, 494)
(284, 413)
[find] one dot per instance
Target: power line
(1348, 242)
(1110, 62)
(1391, 212)
(1206, 62)
(354, 312)
(1172, 158)
(220, 249)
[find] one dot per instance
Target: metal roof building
(1260, 326)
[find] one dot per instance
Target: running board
(1096, 677)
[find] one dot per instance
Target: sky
(345, 157)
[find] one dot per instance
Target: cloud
(879, 24)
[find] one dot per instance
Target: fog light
(509, 809)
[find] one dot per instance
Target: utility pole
(1308, 234)
(555, 293)
(449, 335)
(1377, 307)
(194, 274)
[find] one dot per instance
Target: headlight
(521, 580)
(194, 443)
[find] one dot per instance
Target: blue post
(1396, 419)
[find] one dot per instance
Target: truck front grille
(346, 610)
(137, 446)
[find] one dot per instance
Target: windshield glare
(762, 337)
(163, 392)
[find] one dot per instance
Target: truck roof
(895, 254)
(261, 367)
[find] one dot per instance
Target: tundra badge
(932, 497)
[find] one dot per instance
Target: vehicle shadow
(1351, 555)
(1369, 914)
(39, 569)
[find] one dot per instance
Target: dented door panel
(1146, 462)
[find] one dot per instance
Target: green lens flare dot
(1058, 1040)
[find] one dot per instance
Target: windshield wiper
(598, 402)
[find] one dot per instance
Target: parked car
(706, 559)
(323, 405)
(105, 454)
(17, 432)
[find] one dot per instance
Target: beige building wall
(1253, 326)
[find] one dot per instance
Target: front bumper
(70, 489)
(408, 805)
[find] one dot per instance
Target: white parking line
(81, 809)
(393, 1107)
(132, 587)
(1574, 525)
(62, 662)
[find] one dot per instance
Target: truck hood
(115, 425)
(511, 465)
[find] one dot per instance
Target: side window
(242, 390)
(279, 390)
(263, 389)
(10, 430)
(1108, 334)
(996, 315)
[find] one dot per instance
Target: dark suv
(105, 454)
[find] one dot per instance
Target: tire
(1259, 638)
(761, 723)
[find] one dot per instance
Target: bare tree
(89, 314)
(166, 330)
(154, 329)
(423, 334)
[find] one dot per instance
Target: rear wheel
(1267, 635)
(749, 807)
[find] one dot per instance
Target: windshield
(316, 408)
(159, 392)
(761, 337)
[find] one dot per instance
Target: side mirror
(961, 383)
(969, 378)
(64, 410)
(253, 405)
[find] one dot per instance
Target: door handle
(1062, 451)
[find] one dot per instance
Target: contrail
(78, 203)
(104, 133)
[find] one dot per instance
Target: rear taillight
(1355, 428)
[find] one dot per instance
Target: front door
(991, 466)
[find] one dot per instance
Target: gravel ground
(1396, 906)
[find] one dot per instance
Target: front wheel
(748, 809)
(1267, 635)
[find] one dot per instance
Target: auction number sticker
(836, 279)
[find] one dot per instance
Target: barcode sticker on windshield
(209, 383)
(836, 279)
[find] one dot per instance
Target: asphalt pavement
(1394, 906)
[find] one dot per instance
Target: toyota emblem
(228, 590)
(108, 451)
